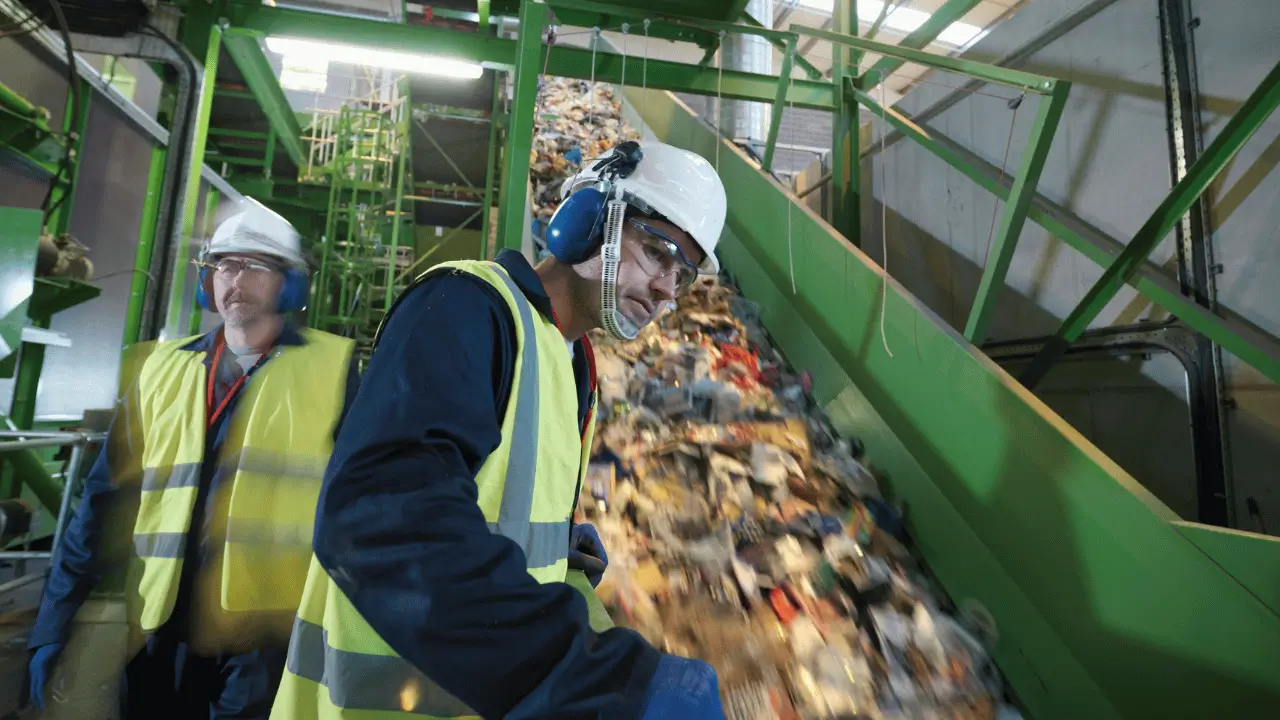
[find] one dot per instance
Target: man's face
(645, 283)
(246, 287)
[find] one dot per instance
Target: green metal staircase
(365, 155)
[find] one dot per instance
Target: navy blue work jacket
(400, 533)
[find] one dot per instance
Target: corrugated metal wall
(1109, 165)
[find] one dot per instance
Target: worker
(444, 525)
(209, 483)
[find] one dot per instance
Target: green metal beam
(239, 134)
(146, 244)
(711, 26)
(1236, 335)
(482, 16)
(929, 30)
(781, 46)
(210, 218)
(533, 17)
(1255, 111)
(499, 54)
(176, 313)
(991, 73)
(246, 53)
(846, 183)
(779, 103)
(1039, 140)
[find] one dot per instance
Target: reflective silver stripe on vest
(522, 463)
(544, 543)
(159, 545)
(266, 532)
(182, 475)
(357, 681)
(276, 464)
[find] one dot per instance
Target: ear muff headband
(293, 292)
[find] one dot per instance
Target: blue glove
(683, 689)
(586, 552)
(41, 667)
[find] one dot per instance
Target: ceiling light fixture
(353, 55)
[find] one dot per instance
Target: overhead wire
(644, 81)
(884, 223)
(791, 133)
(719, 89)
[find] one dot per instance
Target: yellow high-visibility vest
(276, 448)
(338, 666)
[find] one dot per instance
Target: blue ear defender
(293, 293)
(573, 233)
(575, 230)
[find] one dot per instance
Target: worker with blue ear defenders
(203, 502)
(449, 579)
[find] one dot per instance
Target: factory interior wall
(105, 216)
(463, 245)
(1109, 165)
(1103, 609)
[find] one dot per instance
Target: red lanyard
(235, 387)
(591, 374)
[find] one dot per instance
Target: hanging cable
(884, 222)
(1004, 167)
(626, 28)
(644, 79)
(791, 133)
(719, 87)
(595, 41)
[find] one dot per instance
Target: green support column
(1015, 211)
(64, 192)
(178, 308)
(779, 104)
(482, 10)
(1237, 132)
(533, 18)
(146, 244)
(31, 357)
(845, 178)
(489, 170)
(211, 198)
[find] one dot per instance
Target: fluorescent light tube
(350, 54)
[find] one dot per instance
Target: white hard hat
(677, 184)
(257, 229)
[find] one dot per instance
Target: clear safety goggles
(660, 256)
(228, 268)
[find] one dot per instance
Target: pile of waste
(577, 120)
(741, 530)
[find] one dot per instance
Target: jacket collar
(289, 335)
(527, 280)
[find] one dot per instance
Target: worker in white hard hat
(449, 579)
(202, 505)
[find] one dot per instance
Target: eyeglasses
(228, 268)
(661, 256)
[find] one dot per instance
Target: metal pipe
(25, 580)
(73, 472)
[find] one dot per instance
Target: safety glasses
(660, 256)
(228, 268)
